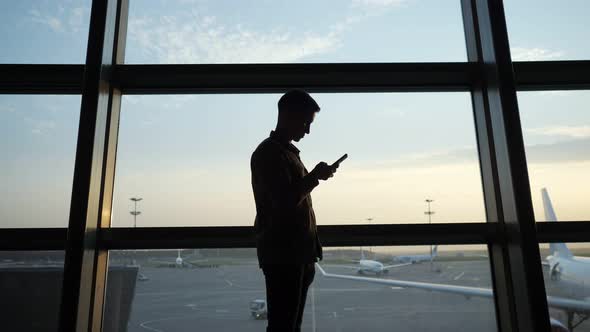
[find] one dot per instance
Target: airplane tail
(434, 251)
(557, 249)
(362, 254)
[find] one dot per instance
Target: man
(286, 235)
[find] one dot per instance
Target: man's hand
(323, 171)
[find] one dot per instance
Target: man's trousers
(286, 291)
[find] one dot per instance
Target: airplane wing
(396, 265)
(170, 262)
(354, 267)
(555, 302)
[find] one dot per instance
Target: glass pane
(286, 32)
(188, 158)
(224, 290)
(30, 284)
(556, 129)
(565, 269)
(33, 31)
(38, 144)
(548, 30)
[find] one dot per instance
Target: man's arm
(271, 170)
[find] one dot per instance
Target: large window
(556, 128)
(563, 34)
(44, 31)
(38, 144)
(565, 267)
(286, 32)
(223, 290)
(188, 158)
(31, 283)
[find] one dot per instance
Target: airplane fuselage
(370, 266)
(571, 275)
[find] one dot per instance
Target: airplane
(178, 262)
(571, 273)
(418, 258)
(372, 266)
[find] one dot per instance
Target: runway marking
(149, 328)
(229, 282)
(348, 309)
(221, 311)
(144, 324)
(459, 276)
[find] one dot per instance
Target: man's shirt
(285, 223)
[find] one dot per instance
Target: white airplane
(571, 273)
(417, 258)
(178, 262)
(367, 266)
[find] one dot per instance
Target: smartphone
(341, 159)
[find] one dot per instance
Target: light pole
(429, 213)
(370, 248)
(135, 213)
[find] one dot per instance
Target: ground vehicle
(258, 309)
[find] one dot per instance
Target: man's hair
(297, 100)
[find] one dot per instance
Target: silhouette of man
(287, 243)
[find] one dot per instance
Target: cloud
(52, 22)
(378, 3)
(535, 54)
(60, 18)
(565, 131)
(169, 39)
(571, 150)
(193, 38)
(39, 127)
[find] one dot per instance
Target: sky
(187, 156)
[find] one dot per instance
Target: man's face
(303, 126)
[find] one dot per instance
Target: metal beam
(43, 79)
(85, 264)
(268, 78)
(552, 75)
(563, 231)
(521, 303)
(336, 235)
(261, 78)
(35, 239)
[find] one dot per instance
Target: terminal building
(127, 131)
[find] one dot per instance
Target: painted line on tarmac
(459, 276)
(144, 324)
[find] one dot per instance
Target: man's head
(297, 111)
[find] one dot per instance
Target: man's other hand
(323, 171)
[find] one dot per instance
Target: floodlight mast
(135, 213)
(429, 213)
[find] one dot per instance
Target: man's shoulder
(267, 147)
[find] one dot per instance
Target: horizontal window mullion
(41, 79)
(13, 239)
(563, 231)
(268, 78)
(333, 235)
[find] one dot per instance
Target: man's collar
(284, 142)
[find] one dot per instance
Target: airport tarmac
(217, 299)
